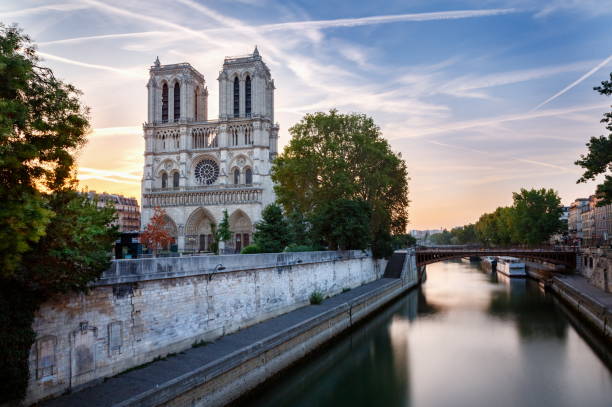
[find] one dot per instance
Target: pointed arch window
(236, 176)
(165, 103)
(236, 97)
(164, 180)
(175, 180)
(248, 176)
(177, 102)
(247, 91)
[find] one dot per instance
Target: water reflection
(467, 338)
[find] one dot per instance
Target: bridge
(556, 255)
(424, 255)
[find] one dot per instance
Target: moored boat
(511, 266)
(489, 263)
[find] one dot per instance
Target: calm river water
(466, 338)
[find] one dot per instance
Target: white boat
(511, 266)
(489, 263)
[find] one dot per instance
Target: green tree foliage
(52, 240)
(443, 238)
(536, 215)
(403, 241)
(42, 122)
(75, 248)
(334, 156)
(272, 232)
(598, 161)
(342, 224)
(531, 220)
(299, 230)
(223, 232)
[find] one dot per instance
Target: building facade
(574, 220)
(128, 211)
(196, 168)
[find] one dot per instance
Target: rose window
(206, 172)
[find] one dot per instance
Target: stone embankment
(594, 304)
(251, 312)
(581, 292)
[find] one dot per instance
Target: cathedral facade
(196, 168)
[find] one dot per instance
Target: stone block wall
(147, 308)
(596, 265)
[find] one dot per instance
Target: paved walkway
(581, 285)
(131, 384)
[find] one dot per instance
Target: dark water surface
(466, 338)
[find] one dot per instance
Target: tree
(42, 123)
(403, 241)
(298, 229)
(334, 156)
(342, 224)
(156, 236)
(598, 161)
(536, 215)
(271, 232)
(52, 239)
(222, 233)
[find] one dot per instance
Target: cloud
(115, 131)
(234, 25)
(86, 173)
(576, 82)
(504, 155)
(492, 121)
(135, 73)
(42, 9)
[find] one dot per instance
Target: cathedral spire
(157, 63)
(256, 52)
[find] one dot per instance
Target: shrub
(250, 249)
(299, 248)
(316, 297)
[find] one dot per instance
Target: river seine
(465, 338)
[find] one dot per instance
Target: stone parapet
(144, 309)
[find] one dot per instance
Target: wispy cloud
(86, 173)
(117, 131)
(492, 121)
(415, 17)
(503, 155)
(576, 82)
(42, 9)
(135, 73)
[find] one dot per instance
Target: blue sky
(480, 97)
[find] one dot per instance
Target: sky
(481, 98)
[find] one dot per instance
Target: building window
(236, 176)
(206, 172)
(164, 180)
(248, 96)
(248, 176)
(236, 97)
(175, 180)
(165, 103)
(177, 102)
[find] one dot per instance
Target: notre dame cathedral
(196, 168)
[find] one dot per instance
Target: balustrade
(214, 197)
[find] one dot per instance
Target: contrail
(576, 82)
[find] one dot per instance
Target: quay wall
(596, 265)
(144, 309)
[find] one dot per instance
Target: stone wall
(596, 265)
(147, 308)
